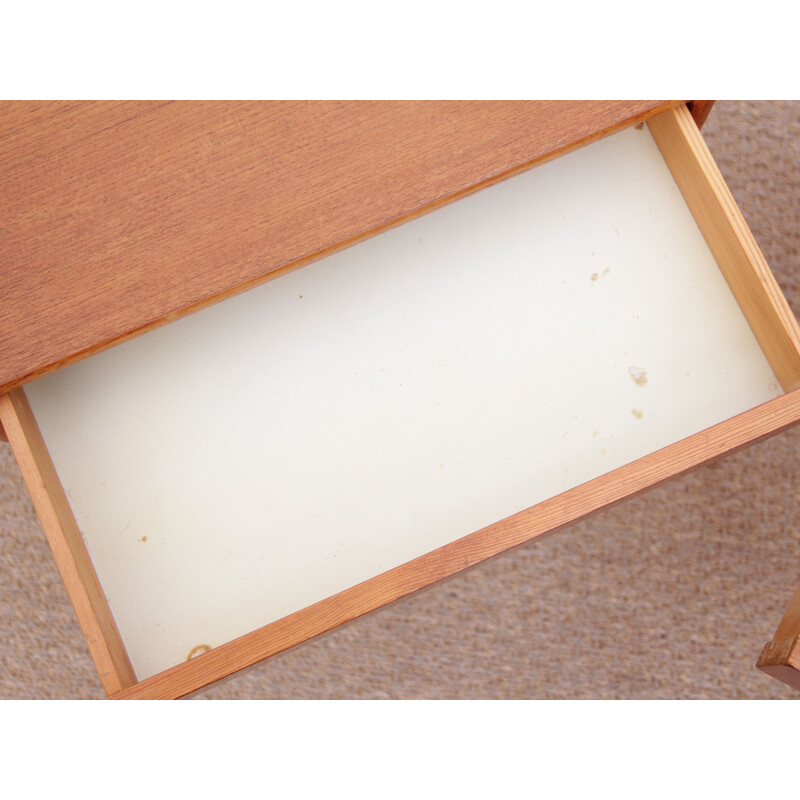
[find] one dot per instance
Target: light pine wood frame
(65, 540)
(730, 240)
(762, 303)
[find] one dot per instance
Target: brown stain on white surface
(639, 375)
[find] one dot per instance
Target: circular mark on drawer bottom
(198, 650)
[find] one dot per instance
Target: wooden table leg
(780, 658)
(699, 110)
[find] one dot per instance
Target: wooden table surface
(116, 217)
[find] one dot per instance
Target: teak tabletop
(116, 217)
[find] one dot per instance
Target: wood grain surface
(544, 518)
(116, 217)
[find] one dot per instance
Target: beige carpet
(670, 595)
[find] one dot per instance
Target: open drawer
(226, 487)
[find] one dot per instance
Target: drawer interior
(280, 447)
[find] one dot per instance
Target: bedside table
(233, 139)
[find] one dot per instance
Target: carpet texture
(669, 595)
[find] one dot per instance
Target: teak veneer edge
(700, 109)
